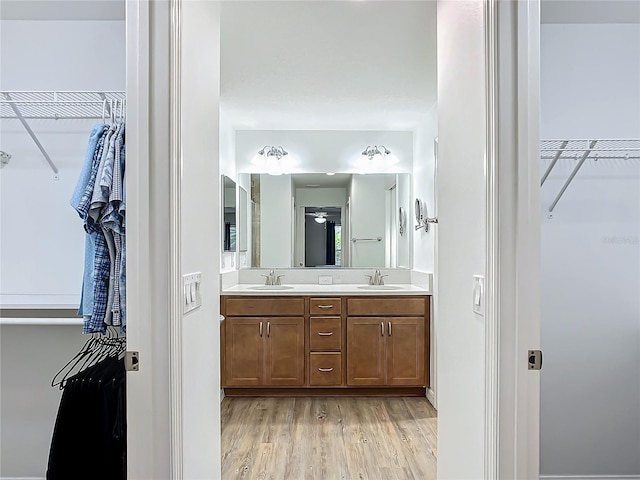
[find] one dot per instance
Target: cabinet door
(285, 351)
(405, 351)
(244, 351)
(365, 351)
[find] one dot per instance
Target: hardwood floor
(327, 438)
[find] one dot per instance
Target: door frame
(512, 287)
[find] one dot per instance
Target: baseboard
(431, 396)
(22, 478)
(589, 477)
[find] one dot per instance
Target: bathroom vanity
(319, 340)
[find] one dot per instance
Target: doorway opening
(322, 237)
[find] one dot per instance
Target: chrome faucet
(376, 278)
(272, 278)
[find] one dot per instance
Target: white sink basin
(270, 287)
(380, 287)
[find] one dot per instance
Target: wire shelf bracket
(58, 105)
(581, 151)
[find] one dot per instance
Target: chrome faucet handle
(370, 279)
(278, 277)
(268, 279)
(381, 279)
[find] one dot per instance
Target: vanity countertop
(333, 289)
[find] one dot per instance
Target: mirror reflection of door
(323, 236)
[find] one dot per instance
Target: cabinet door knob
(325, 334)
(325, 369)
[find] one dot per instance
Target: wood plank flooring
(328, 438)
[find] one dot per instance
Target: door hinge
(131, 361)
(535, 359)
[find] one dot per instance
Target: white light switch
(478, 294)
(192, 292)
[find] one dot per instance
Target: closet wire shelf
(582, 150)
(59, 105)
(62, 105)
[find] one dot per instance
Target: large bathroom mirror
(228, 214)
(336, 220)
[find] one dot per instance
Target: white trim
(175, 249)
(589, 477)
(431, 396)
(492, 261)
(47, 322)
(139, 387)
(518, 267)
(22, 478)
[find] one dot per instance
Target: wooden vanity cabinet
(265, 350)
(326, 344)
(383, 349)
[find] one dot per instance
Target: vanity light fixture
(373, 150)
(271, 151)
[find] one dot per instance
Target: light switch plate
(325, 279)
(192, 292)
(478, 295)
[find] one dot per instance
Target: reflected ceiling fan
(319, 217)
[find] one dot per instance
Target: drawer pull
(325, 369)
(325, 334)
(325, 306)
(260, 328)
(389, 328)
(382, 329)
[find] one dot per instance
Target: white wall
(31, 357)
(321, 197)
(276, 225)
(590, 384)
(404, 240)
(44, 55)
(368, 219)
(424, 189)
(201, 240)
(462, 235)
(31, 202)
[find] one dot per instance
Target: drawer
(252, 306)
(325, 333)
(326, 369)
(325, 306)
(386, 306)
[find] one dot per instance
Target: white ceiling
(327, 64)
